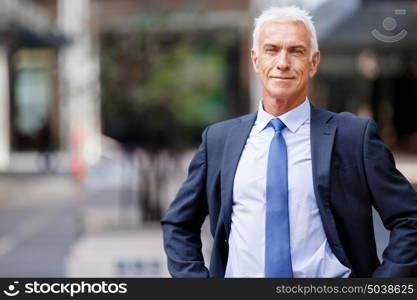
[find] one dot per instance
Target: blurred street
(54, 226)
(39, 220)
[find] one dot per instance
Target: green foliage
(164, 93)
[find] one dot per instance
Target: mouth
(282, 78)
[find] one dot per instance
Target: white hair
(285, 14)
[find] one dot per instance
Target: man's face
(283, 61)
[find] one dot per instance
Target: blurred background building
(103, 103)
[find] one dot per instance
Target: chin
(280, 94)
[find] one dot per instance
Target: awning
(25, 24)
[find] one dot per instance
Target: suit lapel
(234, 145)
(322, 139)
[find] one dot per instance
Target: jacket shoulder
(351, 129)
(344, 120)
(221, 129)
(351, 118)
(333, 117)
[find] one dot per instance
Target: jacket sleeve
(396, 202)
(184, 218)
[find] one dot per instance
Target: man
(289, 190)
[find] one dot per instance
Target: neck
(279, 106)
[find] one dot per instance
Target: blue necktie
(277, 231)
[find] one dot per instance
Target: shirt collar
(292, 119)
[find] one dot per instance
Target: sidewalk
(39, 220)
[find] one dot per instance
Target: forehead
(272, 32)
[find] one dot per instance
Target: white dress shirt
(311, 255)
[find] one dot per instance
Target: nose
(282, 62)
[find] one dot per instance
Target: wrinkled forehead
(289, 33)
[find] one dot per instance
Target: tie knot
(277, 124)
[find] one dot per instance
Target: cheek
(303, 73)
(266, 65)
(265, 72)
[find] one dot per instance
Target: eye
(298, 51)
(270, 50)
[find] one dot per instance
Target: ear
(255, 60)
(314, 63)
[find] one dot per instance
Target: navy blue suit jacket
(352, 171)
